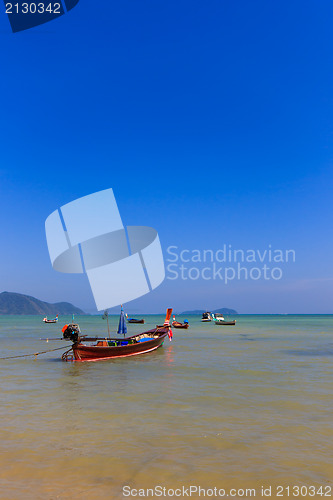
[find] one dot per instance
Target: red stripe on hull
(119, 356)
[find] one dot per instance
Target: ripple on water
(243, 406)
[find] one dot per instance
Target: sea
(220, 411)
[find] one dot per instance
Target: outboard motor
(71, 332)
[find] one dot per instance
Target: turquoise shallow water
(232, 407)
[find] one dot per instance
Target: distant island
(16, 303)
(223, 310)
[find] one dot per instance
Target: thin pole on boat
(106, 315)
(124, 321)
(107, 320)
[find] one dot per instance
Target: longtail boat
(177, 324)
(86, 348)
(133, 320)
(224, 322)
(54, 320)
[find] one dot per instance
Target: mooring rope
(35, 353)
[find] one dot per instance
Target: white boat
(217, 317)
(54, 320)
(206, 316)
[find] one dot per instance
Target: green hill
(222, 310)
(225, 310)
(16, 303)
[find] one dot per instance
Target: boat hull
(225, 323)
(94, 353)
(175, 324)
(141, 321)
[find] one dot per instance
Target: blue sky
(212, 122)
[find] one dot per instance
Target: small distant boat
(217, 317)
(206, 316)
(86, 348)
(54, 320)
(133, 320)
(219, 320)
(177, 324)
